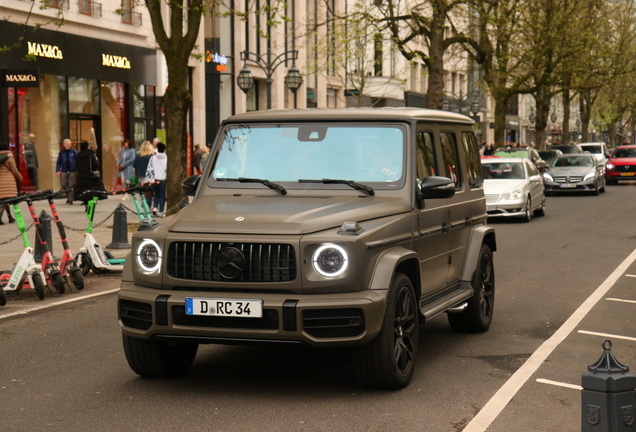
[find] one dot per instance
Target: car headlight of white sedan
(514, 195)
(589, 176)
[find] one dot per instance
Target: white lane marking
(61, 302)
(607, 335)
(620, 300)
(559, 384)
(504, 395)
(630, 275)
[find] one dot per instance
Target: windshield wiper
(350, 183)
(267, 183)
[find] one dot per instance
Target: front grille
(263, 262)
(333, 323)
(135, 315)
(571, 179)
(625, 168)
(269, 321)
(490, 198)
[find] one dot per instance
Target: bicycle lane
(553, 403)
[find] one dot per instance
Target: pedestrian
(155, 141)
(31, 160)
(9, 174)
(88, 177)
(196, 159)
(489, 150)
(204, 156)
(141, 166)
(110, 171)
(65, 169)
(125, 164)
(157, 173)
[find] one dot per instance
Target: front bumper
(317, 320)
(584, 186)
(507, 208)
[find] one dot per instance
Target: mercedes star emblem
(230, 262)
(239, 219)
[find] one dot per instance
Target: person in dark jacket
(86, 163)
(65, 169)
(141, 166)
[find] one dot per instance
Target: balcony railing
(132, 18)
(90, 7)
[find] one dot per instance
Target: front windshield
(503, 170)
(573, 161)
(595, 149)
(624, 153)
(290, 152)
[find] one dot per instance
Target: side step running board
(447, 302)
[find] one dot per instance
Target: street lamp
(475, 107)
(446, 105)
(553, 117)
(595, 122)
(268, 62)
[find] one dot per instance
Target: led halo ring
(139, 261)
(345, 263)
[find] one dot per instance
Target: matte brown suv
(335, 227)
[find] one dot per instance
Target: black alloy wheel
(153, 359)
(388, 361)
(528, 216)
(477, 316)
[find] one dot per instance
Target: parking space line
(509, 389)
(559, 384)
(61, 302)
(607, 335)
(620, 300)
(630, 275)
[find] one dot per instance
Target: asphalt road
(63, 367)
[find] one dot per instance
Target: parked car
(329, 227)
(599, 150)
(549, 155)
(621, 165)
(574, 173)
(527, 153)
(513, 188)
(566, 148)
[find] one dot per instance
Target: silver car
(575, 173)
(513, 188)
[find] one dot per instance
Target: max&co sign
(20, 77)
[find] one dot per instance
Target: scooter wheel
(84, 263)
(39, 285)
(78, 279)
(58, 282)
(3, 297)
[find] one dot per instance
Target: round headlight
(330, 260)
(149, 256)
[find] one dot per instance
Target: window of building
(424, 156)
(83, 96)
(451, 161)
(252, 98)
(114, 115)
(473, 161)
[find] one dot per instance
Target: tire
(389, 360)
(528, 216)
(595, 192)
(158, 359)
(84, 263)
(477, 316)
(541, 210)
(3, 297)
(38, 285)
(602, 190)
(78, 279)
(58, 283)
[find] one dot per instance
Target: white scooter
(91, 256)
(26, 267)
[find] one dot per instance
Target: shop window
(139, 100)
(114, 115)
(83, 96)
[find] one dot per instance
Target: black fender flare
(482, 234)
(388, 262)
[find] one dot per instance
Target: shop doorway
(81, 129)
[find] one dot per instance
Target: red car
(621, 165)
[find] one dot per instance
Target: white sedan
(513, 188)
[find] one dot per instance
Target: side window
(450, 156)
(532, 170)
(424, 156)
(473, 162)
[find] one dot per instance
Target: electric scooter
(26, 269)
(146, 222)
(68, 266)
(52, 271)
(91, 256)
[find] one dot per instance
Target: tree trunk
(500, 122)
(585, 107)
(435, 91)
(566, 115)
(543, 111)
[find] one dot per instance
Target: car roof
(569, 155)
(591, 143)
(504, 160)
(357, 114)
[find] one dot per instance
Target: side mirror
(437, 187)
(190, 184)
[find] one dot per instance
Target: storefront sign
(115, 61)
(21, 78)
(44, 50)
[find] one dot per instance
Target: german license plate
(491, 207)
(627, 174)
(224, 307)
(567, 185)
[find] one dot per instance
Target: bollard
(120, 230)
(45, 221)
(608, 396)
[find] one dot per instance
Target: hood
(571, 171)
(280, 214)
(622, 161)
(501, 186)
